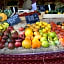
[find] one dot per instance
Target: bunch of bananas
(3, 26)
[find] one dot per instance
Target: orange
(36, 43)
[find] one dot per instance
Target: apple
(1, 46)
(52, 34)
(10, 28)
(14, 36)
(21, 29)
(6, 33)
(57, 42)
(22, 33)
(45, 44)
(18, 43)
(55, 38)
(52, 43)
(22, 36)
(43, 39)
(3, 41)
(11, 46)
(13, 31)
(5, 37)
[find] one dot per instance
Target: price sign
(14, 20)
(32, 18)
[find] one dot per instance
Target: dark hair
(33, 1)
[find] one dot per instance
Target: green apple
(52, 34)
(45, 44)
(49, 38)
(56, 42)
(55, 38)
(43, 39)
(52, 43)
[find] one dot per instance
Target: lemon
(42, 26)
(44, 30)
(37, 23)
(47, 28)
(46, 11)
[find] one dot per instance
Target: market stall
(40, 40)
(32, 37)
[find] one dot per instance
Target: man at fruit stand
(29, 5)
(34, 7)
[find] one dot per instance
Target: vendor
(29, 5)
(34, 7)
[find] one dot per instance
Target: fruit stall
(31, 38)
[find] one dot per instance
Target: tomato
(62, 43)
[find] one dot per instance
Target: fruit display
(58, 28)
(11, 39)
(40, 34)
(33, 36)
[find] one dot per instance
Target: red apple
(22, 33)
(14, 36)
(10, 45)
(6, 33)
(1, 46)
(10, 28)
(14, 32)
(3, 41)
(21, 29)
(18, 43)
(5, 37)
